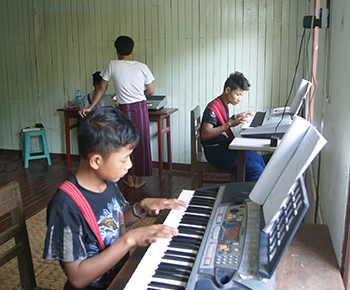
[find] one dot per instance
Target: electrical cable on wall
(292, 85)
(325, 96)
(311, 22)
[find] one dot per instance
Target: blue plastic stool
(43, 145)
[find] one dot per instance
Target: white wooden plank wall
(49, 49)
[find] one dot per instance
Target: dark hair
(124, 45)
(105, 130)
(237, 80)
(96, 78)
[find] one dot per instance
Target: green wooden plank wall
(49, 49)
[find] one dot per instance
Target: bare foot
(129, 181)
(139, 182)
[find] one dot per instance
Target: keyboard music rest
(258, 119)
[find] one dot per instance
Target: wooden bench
(309, 261)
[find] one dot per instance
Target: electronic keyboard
(275, 122)
(272, 123)
(221, 242)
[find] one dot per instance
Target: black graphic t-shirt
(69, 238)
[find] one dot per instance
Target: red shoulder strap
(85, 208)
(217, 107)
(88, 214)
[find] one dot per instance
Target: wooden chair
(11, 202)
(199, 163)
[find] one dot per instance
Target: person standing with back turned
(133, 82)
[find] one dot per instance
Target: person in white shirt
(133, 82)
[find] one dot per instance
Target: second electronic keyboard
(274, 122)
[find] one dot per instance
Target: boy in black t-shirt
(106, 139)
(216, 133)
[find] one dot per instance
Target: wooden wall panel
(49, 49)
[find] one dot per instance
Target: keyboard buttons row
(227, 260)
(210, 253)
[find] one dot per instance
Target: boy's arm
(151, 207)
(129, 217)
(210, 132)
(100, 91)
(83, 272)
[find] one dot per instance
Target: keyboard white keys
(146, 268)
(175, 257)
(248, 122)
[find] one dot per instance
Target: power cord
(6, 164)
(273, 138)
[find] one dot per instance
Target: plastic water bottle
(78, 98)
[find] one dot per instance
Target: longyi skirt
(141, 156)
